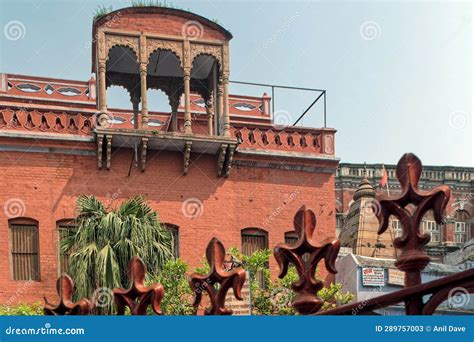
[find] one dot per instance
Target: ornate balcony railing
(288, 139)
(69, 122)
(411, 260)
(48, 89)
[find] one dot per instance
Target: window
(460, 232)
(66, 229)
(24, 246)
(254, 239)
(174, 231)
(461, 227)
(431, 228)
(397, 228)
(291, 238)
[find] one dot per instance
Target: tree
(276, 296)
(178, 297)
(104, 242)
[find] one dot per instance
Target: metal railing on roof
(321, 94)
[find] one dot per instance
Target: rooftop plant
(102, 10)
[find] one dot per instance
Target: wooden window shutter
(174, 230)
(24, 251)
(291, 238)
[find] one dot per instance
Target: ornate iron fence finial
(138, 296)
(307, 286)
(65, 290)
(412, 259)
(215, 254)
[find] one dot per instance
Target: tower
(360, 227)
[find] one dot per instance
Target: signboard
(396, 277)
(240, 307)
(373, 276)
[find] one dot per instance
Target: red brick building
(215, 165)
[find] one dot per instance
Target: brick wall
(160, 24)
(48, 185)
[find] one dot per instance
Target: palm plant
(105, 241)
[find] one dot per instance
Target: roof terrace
(187, 58)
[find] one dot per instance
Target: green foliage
(153, 3)
(178, 294)
(105, 241)
(203, 268)
(276, 296)
(334, 297)
(102, 10)
(22, 309)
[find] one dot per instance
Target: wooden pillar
(102, 87)
(220, 107)
(144, 97)
(187, 101)
(226, 118)
(225, 81)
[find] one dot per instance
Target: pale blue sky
(407, 89)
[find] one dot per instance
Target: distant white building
(368, 277)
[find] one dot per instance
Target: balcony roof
(110, 20)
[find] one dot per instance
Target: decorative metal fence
(411, 259)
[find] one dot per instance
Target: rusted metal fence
(411, 259)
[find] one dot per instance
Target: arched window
(254, 239)
(66, 230)
(174, 230)
(165, 86)
(430, 227)
(291, 238)
(24, 249)
(461, 227)
(204, 82)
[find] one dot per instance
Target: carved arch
(174, 47)
(119, 85)
(218, 60)
(209, 50)
(131, 43)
